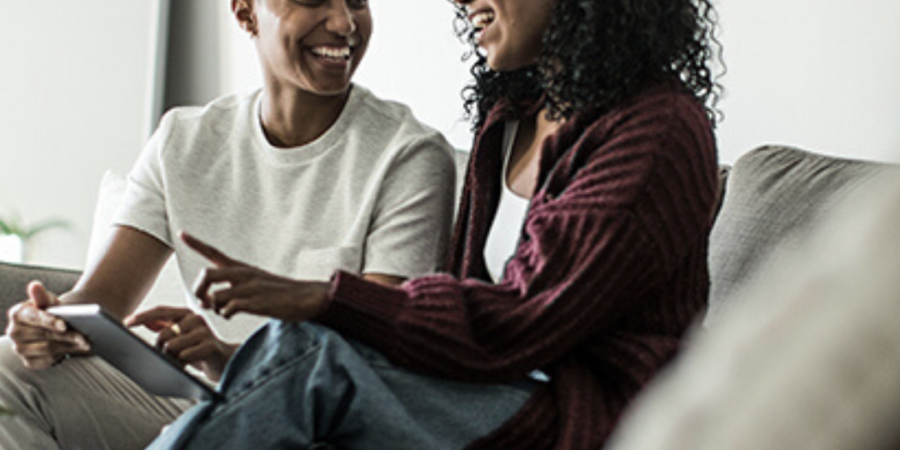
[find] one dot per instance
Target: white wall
(415, 57)
(75, 100)
(819, 74)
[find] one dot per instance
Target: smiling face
(509, 31)
(311, 45)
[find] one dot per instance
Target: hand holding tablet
(154, 371)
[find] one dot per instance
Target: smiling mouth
(482, 20)
(335, 53)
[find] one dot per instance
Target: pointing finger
(208, 251)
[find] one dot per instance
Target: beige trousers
(81, 404)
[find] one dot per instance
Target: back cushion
(773, 195)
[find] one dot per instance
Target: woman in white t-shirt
(310, 174)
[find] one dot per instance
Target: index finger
(208, 251)
(209, 277)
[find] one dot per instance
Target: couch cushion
(774, 194)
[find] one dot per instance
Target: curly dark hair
(598, 53)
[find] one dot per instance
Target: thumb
(40, 296)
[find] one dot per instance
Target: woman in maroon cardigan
(579, 257)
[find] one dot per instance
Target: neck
(525, 160)
(294, 118)
(545, 127)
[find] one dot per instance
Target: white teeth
(332, 52)
(482, 19)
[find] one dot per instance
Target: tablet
(153, 370)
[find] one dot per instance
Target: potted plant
(15, 235)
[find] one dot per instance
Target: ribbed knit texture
(609, 273)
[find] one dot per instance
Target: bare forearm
(111, 303)
(120, 279)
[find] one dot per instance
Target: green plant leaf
(43, 226)
(5, 228)
(13, 225)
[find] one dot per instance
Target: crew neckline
(307, 152)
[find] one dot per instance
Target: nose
(340, 19)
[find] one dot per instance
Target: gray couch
(775, 196)
(770, 195)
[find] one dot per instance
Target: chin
(501, 66)
(493, 64)
(331, 91)
(498, 63)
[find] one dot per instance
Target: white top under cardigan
(503, 237)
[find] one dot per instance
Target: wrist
(325, 295)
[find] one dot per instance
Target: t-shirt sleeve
(143, 205)
(410, 228)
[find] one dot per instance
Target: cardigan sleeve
(468, 329)
(586, 260)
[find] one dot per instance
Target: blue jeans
(303, 386)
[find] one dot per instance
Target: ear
(246, 16)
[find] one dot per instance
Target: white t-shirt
(374, 194)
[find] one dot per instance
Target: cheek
(521, 46)
(530, 41)
(364, 27)
(537, 25)
(364, 30)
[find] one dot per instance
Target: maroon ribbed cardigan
(609, 273)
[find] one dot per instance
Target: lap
(302, 385)
(81, 403)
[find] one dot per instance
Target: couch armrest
(15, 277)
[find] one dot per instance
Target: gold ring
(176, 329)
